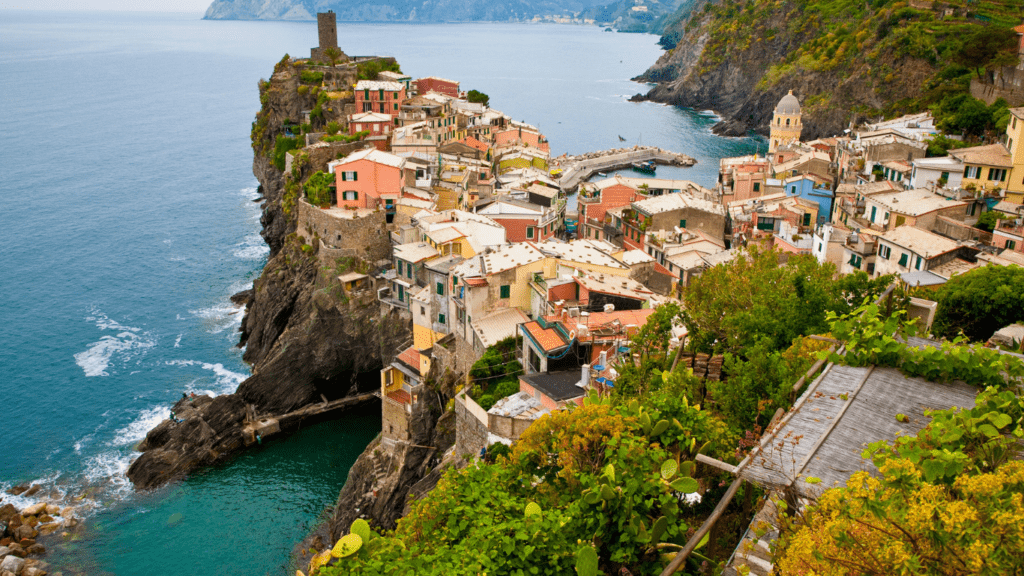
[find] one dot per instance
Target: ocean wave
(225, 381)
(128, 342)
(139, 427)
(251, 248)
(220, 317)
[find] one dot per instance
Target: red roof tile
(400, 396)
(411, 357)
(548, 339)
(475, 281)
(474, 143)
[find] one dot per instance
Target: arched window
(778, 121)
(787, 121)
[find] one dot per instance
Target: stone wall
(511, 428)
(470, 427)
(321, 155)
(394, 421)
(364, 236)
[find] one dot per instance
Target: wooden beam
(691, 544)
(715, 463)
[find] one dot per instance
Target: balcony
(385, 296)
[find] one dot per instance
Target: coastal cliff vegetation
(846, 59)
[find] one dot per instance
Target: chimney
(603, 358)
(585, 377)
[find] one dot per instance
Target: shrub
(311, 77)
(333, 128)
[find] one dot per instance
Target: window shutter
(506, 291)
(440, 318)
(903, 259)
(440, 289)
(355, 176)
(344, 176)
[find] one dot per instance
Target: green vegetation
(311, 77)
(496, 374)
(980, 302)
(600, 486)
(877, 46)
(989, 220)
(370, 70)
(334, 55)
(479, 97)
(940, 145)
(872, 339)
(318, 189)
(333, 128)
(733, 307)
(282, 146)
(347, 137)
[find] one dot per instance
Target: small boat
(647, 167)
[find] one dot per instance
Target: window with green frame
(682, 223)
(1011, 244)
(440, 289)
(440, 318)
(506, 291)
(904, 259)
(399, 267)
(807, 219)
(529, 231)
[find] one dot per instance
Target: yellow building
(786, 125)
(985, 167)
(1015, 145)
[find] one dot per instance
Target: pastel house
(368, 179)
(380, 97)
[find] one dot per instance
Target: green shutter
(399, 267)
(366, 94)
(682, 223)
(355, 176)
(401, 293)
(873, 210)
(344, 176)
(917, 265)
(440, 289)
(506, 291)
(903, 259)
(529, 231)
(807, 219)
(440, 318)
(355, 195)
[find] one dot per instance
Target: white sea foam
(225, 381)
(126, 343)
(251, 248)
(219, 318)
(137, 430)
(177, 341)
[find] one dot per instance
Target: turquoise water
(128, 221)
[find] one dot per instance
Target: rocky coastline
(22, 533)
(307, 346)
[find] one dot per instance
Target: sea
(130, 215)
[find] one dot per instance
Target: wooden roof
(843, 411)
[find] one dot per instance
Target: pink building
(439, 85)
(379, 97)
(596, 201)
(1009, 236)
(520, 135)
(369, 178)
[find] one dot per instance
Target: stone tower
(327, 25)
(786, 125)
(327, 29)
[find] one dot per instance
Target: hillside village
(466, 229)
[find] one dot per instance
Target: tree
(733, 306)
(980, 302)
(478, 97)
(318, 189)
(989, 220)
(988, 46)
(333, 54)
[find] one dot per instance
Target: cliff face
(739, 60)
(305, 340)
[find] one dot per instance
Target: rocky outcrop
(384, 481)
(22, 533)
(708, 68)
(305, 343)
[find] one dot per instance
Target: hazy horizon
(180, 6)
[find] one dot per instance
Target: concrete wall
(711, 224)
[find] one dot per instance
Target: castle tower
(327, 30)
(786, 126)
(327, 26)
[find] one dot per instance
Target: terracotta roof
(475, 282)
(625, 317)
(548, 339)
(411, 357)
(474, 143)
(400, 396)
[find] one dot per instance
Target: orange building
(369, 178)
(379, 97)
